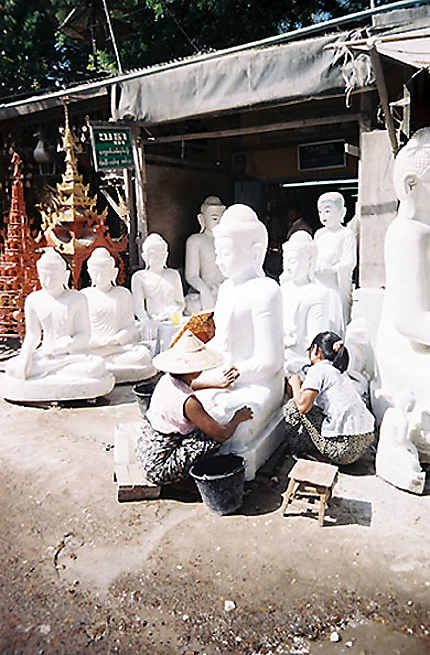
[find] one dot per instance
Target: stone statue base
(123, 365)
(261, 448)
(54, 387)
(393, 473)
(130, 373)
(257, 439)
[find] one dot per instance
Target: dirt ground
(82, 573)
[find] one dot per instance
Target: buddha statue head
(299, 254)
(331, 209)
(210, 213)
(53, 273)
(411, 175)
(240, 243)
(155, 252)
(102, 269)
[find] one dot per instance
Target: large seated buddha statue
(114, 335)
(54, 362)
(248, 331)
(402, 349)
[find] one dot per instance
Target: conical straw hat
(188, 355)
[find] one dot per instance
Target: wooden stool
(311, 479)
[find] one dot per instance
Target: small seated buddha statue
(114, 334)
(54, 362)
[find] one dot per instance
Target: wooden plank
(255, 129)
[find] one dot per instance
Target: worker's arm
(304, 399)
(194, 412)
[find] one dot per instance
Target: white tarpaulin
(412, 49)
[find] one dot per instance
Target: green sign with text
(112, 147)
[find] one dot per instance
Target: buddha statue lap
(54, 362)
(248, 331)
(306, 302)
(337, 250)
(158, 297)
(201, 270)
(402, 349)
(114, 335)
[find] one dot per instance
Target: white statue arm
(79, 340)
(128, 331)
(348, 257)
(192, 271)
(266, 358)
(316, 321)
(33, 336)
(409, 282)
(139, 298)
(179, 302)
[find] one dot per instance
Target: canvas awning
(295, 71)
(411, 48)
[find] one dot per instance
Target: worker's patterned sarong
(167, 458)
(343, 449)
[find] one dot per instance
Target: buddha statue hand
(62, 346)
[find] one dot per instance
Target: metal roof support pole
(383, 94)
(140, 192)
(129, 196)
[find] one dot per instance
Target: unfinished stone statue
(308, 307)
(402, 349)
(157, 290)
(360, 366)
(397, 459)
(56, 319)
(337, 249)
(248, 323)
(114, 335)
(201, 270)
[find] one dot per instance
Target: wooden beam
(257, 129)
(383, 95)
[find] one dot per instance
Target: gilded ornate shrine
(71, 224)
(18, 256)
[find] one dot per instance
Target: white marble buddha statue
(336, 248)
(307, 306)
(157, 290)
(114, 335)
(54, 362)
(248, 322)
(201, 270)
(402, 349)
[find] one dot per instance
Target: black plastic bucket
(143, 392)
(220, 480)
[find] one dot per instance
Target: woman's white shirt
(345, 411)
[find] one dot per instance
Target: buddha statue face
(412, 175)
(52, 272)
(331, 209)
(210, 213)
(101, 269)
(299, 257)
(155, 252)
(240, 242)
